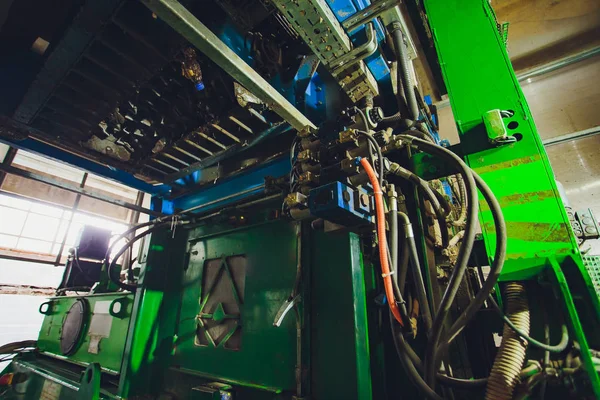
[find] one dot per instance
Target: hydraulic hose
(413, 365)
(403, 267)
(111, 264)
(391, 119)
(383, 252)
(464, 252)
(511, 355)
(404, 70)
(429, 193)
(402, 348)
(411, 248)
(443, 202)
(417, 133)
(373, 142)
(460, 221)
(495, 268)
(557, 348)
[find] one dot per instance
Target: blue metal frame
(93, 167)
(242, 183)
(309, 91)
(344, 9)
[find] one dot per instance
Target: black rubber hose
(413, 374)
(443, 202)
(372, 140)
(425, 108)
(495, 268)
(417, 274)
(399, 297)
(557, 348)
(404, 70)
(419, 134)
(111, 264)
(403, 268)
(443, 378)
(429, 193)
(463, 253)
(391, 119)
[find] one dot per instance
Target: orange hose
(383, 259)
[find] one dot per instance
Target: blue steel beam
(93, 167)
(247, 184)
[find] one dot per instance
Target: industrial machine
(311, 235)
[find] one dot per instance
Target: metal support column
(8, 159)
(73, 210)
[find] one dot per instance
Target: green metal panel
(479, 77)
(151, 336)
(110, 349)
(584, 326)
(266, 358)
(340, 356)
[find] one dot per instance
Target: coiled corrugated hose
(511, 355)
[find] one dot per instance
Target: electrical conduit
(511, 355)
(383, 258)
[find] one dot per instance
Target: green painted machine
(360, 258)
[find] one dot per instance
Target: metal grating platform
(592, 264)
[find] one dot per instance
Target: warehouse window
(40, 221)
(31, 227)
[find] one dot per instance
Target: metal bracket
(495, 128)
(285, 308)
(90, 383)
(357, 54)
(365, 15)
(314, 21)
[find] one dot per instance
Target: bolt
(346, 196)
(364, 200)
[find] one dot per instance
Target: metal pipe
(205, 136)
(188, 26)
(196, 145)
(74, 189)
(164, 164)
(226, 132)
(231, 196)
(556, 65)
(187, 153)
(241, 124)
(572, 136)
(179, 160)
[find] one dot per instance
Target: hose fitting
(511, 355)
